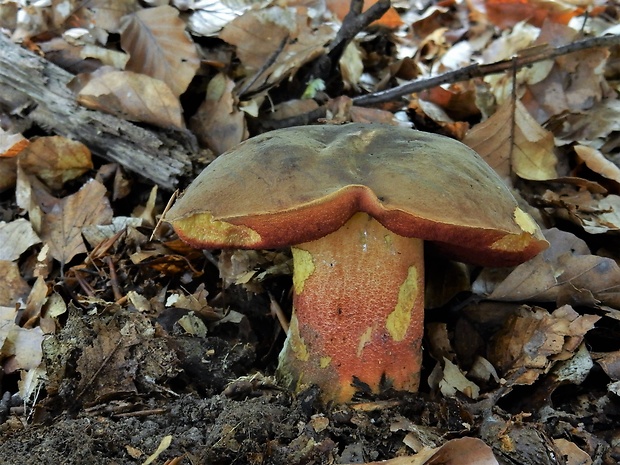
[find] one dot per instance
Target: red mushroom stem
(358, 312)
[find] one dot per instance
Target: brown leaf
(159, 47)
(281, 33)
(598, 163)
(13, 288)
(62, 225)
(565, 272)
(131, 96)
(529, 155)
(532, 341)
(15, 238)
(218, 123)
(107, 368)
(55, 160)
(470, 451)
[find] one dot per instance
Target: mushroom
(356, 203)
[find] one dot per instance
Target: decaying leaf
(279, 34)
(218, 123)
(158, 46)
(528, 152)
(55, 160)
(564, 273)
(454, 380)
(13, 287)
(131, 96)
(20, 348)
(533, 340)
(62, 228)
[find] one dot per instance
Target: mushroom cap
(298, 184)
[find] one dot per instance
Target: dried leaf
(532, 154)
(565, 272)
(106, 367)
(278, 34)
(15, 238)
(454, 380)
(218, 123)
(62, 225)
(598, 163)
(131, 96)
(13, 288)
(158, 46)
(532, 341)
(210, 16)
(20, 348)
(55, 160)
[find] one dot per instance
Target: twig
(463, 74)
(478, 70)
(355, 21)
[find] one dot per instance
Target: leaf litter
(110, 325)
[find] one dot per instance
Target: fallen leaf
(63, 223)
(565, 272)
(340, 8)
(218, 123)
(20, 348)
(131, 96)
(531, 341)
(527, 153)
(598, 163)
(159, 47)
(276, 34)
(507, 13)
(13, 287)
(55, 160)
(572, 452)
(454, 380)
(15, 238)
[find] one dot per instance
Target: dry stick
(463, 74)
(477, 70)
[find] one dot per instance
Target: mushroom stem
(358, 312)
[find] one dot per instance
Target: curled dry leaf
(529, 155)
(159, 47)
(218, 123)
(20, 348)
(532, 341)
(565, 272)
(132, 96)
(55, 160)
(454, 380)
(598, 163)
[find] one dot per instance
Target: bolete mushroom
(356, 202)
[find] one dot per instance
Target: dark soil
(207, 394)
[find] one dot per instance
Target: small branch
(463, 74)
(478, 70)
(355, 21)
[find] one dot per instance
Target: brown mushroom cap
(297, 184)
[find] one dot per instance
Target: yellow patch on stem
(296, 342)
(397, 322)
(303, 267)
(364, 339)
